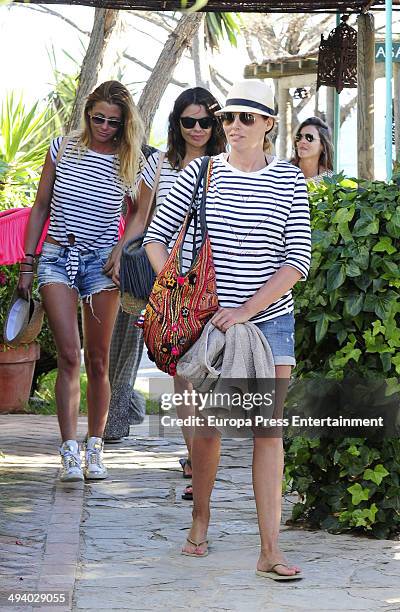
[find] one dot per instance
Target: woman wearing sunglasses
(84, 181)
(193, 131)
(258, 222)
(313, 149)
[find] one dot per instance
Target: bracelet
(29, 255)
(26, 263)
(25, 272)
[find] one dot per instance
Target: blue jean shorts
(279, 333)
(89, 279)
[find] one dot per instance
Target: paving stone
(117, 543)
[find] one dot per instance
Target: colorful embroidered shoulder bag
(180, 304)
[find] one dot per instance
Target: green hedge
(348, 322)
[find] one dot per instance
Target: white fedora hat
(23, 322)
(250, 96)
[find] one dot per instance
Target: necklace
(241, 240)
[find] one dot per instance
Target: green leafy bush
(348, 322)
(347, 314)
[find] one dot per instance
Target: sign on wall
(380, 52)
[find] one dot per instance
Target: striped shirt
(257, 223)
(86, 202)
(168, 176)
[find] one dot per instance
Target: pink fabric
(13, 225)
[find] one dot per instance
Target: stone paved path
(114, 545)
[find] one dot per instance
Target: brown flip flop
(278, 577)
(204, 554)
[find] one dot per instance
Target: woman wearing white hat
(258, 223)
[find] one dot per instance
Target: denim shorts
(89, 279)
(279, 333)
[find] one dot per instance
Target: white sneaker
(71, 470)
(94, 466)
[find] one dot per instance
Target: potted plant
(16, 364)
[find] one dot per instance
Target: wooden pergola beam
(245, 6)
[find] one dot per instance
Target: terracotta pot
(16, 374)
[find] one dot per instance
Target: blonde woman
(83, 184)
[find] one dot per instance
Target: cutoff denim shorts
(279, 333)
(89, 279)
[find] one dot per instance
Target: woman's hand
(112, 265)
(226, 317)
(25, 282)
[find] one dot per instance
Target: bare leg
(205, 458)
(267, 484)
(61, 305)
(180, 386)
(97, 340)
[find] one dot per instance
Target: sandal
(188, 493)
(196, 544)
(273, 574)
(184, 461)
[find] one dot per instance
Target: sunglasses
(113, 123)
(308, 137)
(189, 122)
(245, 118)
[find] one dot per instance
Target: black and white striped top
(168, 176)
(257, 223)
(86, 202)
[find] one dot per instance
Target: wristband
(25, 272)
(29, 255)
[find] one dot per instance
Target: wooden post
(396, 102)
(330, 105)
(365, 95)
(285, 123)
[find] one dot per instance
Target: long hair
(326, 156)
(129, 136)
(176, 144)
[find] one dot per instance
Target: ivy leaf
(358, 494)
(321, 328)
(386, 360)
(361, 256)
(393, 226)
(364, 227)
(354, 304)
(336, 276)
(352, 269)
(343, 215)
(381, 304)
(390, 267)
(377, 474)
(363, 281)
(385, 246)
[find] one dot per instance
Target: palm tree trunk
(105, 21)
(169, 58)
(199, 55)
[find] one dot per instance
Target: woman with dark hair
(193, 131)
(84, 181)
(313, 149)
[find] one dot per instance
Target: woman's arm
(280, 283)
(135, 225)
(39, 214)
(157, 254)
